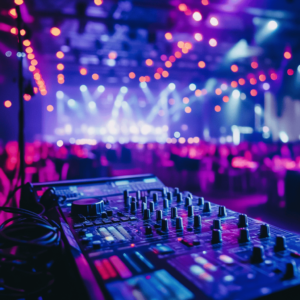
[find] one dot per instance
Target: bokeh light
(262, 77)
(198, 37)
(290, 72)
(112, 55)
(149, 62)
(60, 54)
(83, 71)
(234, 84)
(218, 91)
(254, 65)
(201, 64)
(55, 31)
(213, 42)
(217, 108)
(188, 110)
(168, 36)
(95, 76)
(253, 92)
(50, 108)
(197, 16)
(242, 81)
(287, 55)
(131, 75)
(165, 74)
(234, 68)
(60, 67)
(7, 103)
(214, 21)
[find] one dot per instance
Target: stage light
(171, 101)
(224, 86)
(217, 108)
(192, 87)
(28, 50)
(55, 31)
(197, 16)
(168, 64)
(168, 36)
(178, 54)
(266, 86)
(101, 89)
(253, 81)
(172, 59)
(60, 67)
(71, 102)
(7, 103)
(287, 55)
(22, 32)
(272, 25)
(177, 134)
(185, 100)
(171, 86)
(243, 96)
(180, 44)
(157, 76)
(187, 109)
(290, 72)
(188, 46)
(165, 74)
(112, 55)
(234, 68)
(213, 42)
(145, 129)
(30, 56)
(50, 108)
(225, 99)
(147, 78)
(59, 94)
(201, 64)
(83, 88)
(218, 91)
(163, 57)
(149, 62)
(131, 75)
(262, 77)
(59, 143)
(92, 105)
(254, 65)
(98, 2)
(123, 89)
(31, 68)
(198, 93)
(60, 54)
(236, 94)
(198, 37)
(234, 84)
(214, 21)
(143, 85)
(253, 93)
(273, 76)
(111, 62)
(95, 76)
(182, 7)
(34, 62)
(283, 137)
(83, 71)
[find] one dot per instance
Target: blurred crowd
(203, 167)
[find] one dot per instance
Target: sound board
(133, 238)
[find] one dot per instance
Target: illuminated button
(121, 268)
(89, 235)
(104, 233)
(228, 278)
(207, 277)
(111, 271)
(124, 232)
(187, 243)
(226, 259)
(201, 260)
(210, 267)
(162, 249)
(101, 269)
(116, 233)
(76, 226)
(96, 244)
(196, 270)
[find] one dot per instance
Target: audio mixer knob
(290, 271)
(165, 203)
(190, 211)
(144, 207)
(197, 221)
(146, 214)
(158, 215)
(243, 221)
(179, 223)
(126, 197)
(190, 195)
(87, 207)
(216, 236)
(144, 199)
(258, 255)
(169, 196)
(217, 224)
(138, 195)
(148, 230)
(264, 231)
(164, 192)
(222, 211)
(176, 191)
(280, 243)
(152, 206)
(173, 212)
(179, 197)
(207, 207)
(200, 201)
(165, 225)
(188, 201)
(155, 197)
(133, 206)
(244, 235)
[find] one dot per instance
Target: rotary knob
(188, 201)
(138, 195)
(179, 223)
(280, 243)
(216, 236)
(146, 214)
(165, 225)
(290, 270)
(133, 206)
(217, 224)
(197, 221)
(152, 206)
(169, 196)
(148, 230)
(179, 197)
(176, 191)
(144, 207)
(244, 235)
(155, 197)
(87, 207)
(200, 201)
(258, 255)
(222, 211)
(173, 212)
(144, 199)
(206, 207)
(126, 197)
(165, 203)
(158, 215)
(190, 211)
(264, 231)
(243, 221)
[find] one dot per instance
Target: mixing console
(134, 238)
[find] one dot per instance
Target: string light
(149, 62)
(131, 75)
(22, 32)
(201, 64)
(13, 13)
(30, 56)
(60, 54)
(83, 71)
(34, 62)
(7, 103)
(26, 97)
(60, 67)
(234, 68)
(55, 31)
(26, 43)
(217, 108)
(31, 68)
(50, 108)
(168, 36)
(14, 30)
(225, 99)
(19, 2)
(95, 76)
(28, 50)
(198, 37)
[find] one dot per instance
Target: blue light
(272, 25)
(71, 102)
(124, 90)
(92, 105)
(266, 86)
(172, 86)
(111, 62)
(101, 88)
(236, 94)
(143, 85)
(59, 94)
(177, 134)
(83, 88)
(192, 87)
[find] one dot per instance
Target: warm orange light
(213, 42)
(204, 2)
(287, 55)
(37, 76)
(262, 77)
(60, 67)
(185, 100)
(28, 50)
(185, 50)
(168, 36)
(35, 90)
(7, 103)
(217, 108)
(34, 62)
(165, 74)
(253, 81)
(12, 12)
(50, 108)
(234, 68)
(172, 58)
(26, 43)
(218, 91)
(242, 81)
(225, 99)
(55, 31)
(83, 71)
(19, 2)
(22, 32)
(147, 78)
(142, 79)
(43, 92)
(273, 76)
(112, 55)
(31, 68)
(198, 37)
(253, 92)
(168, 64)
(14, 30)
(198, 93)
(182, 7)
(61, 81)
(188, 46)
(149, 62)
(60, 76)
(187, 109)
(98, 2)
(131, 75)
(178, 54)
(157, 76)
(254, 65)
(201, 64)
(30, 56)
(26, 97)
(234, 84)
(95, 76)
(60, 54)
(180, 44)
